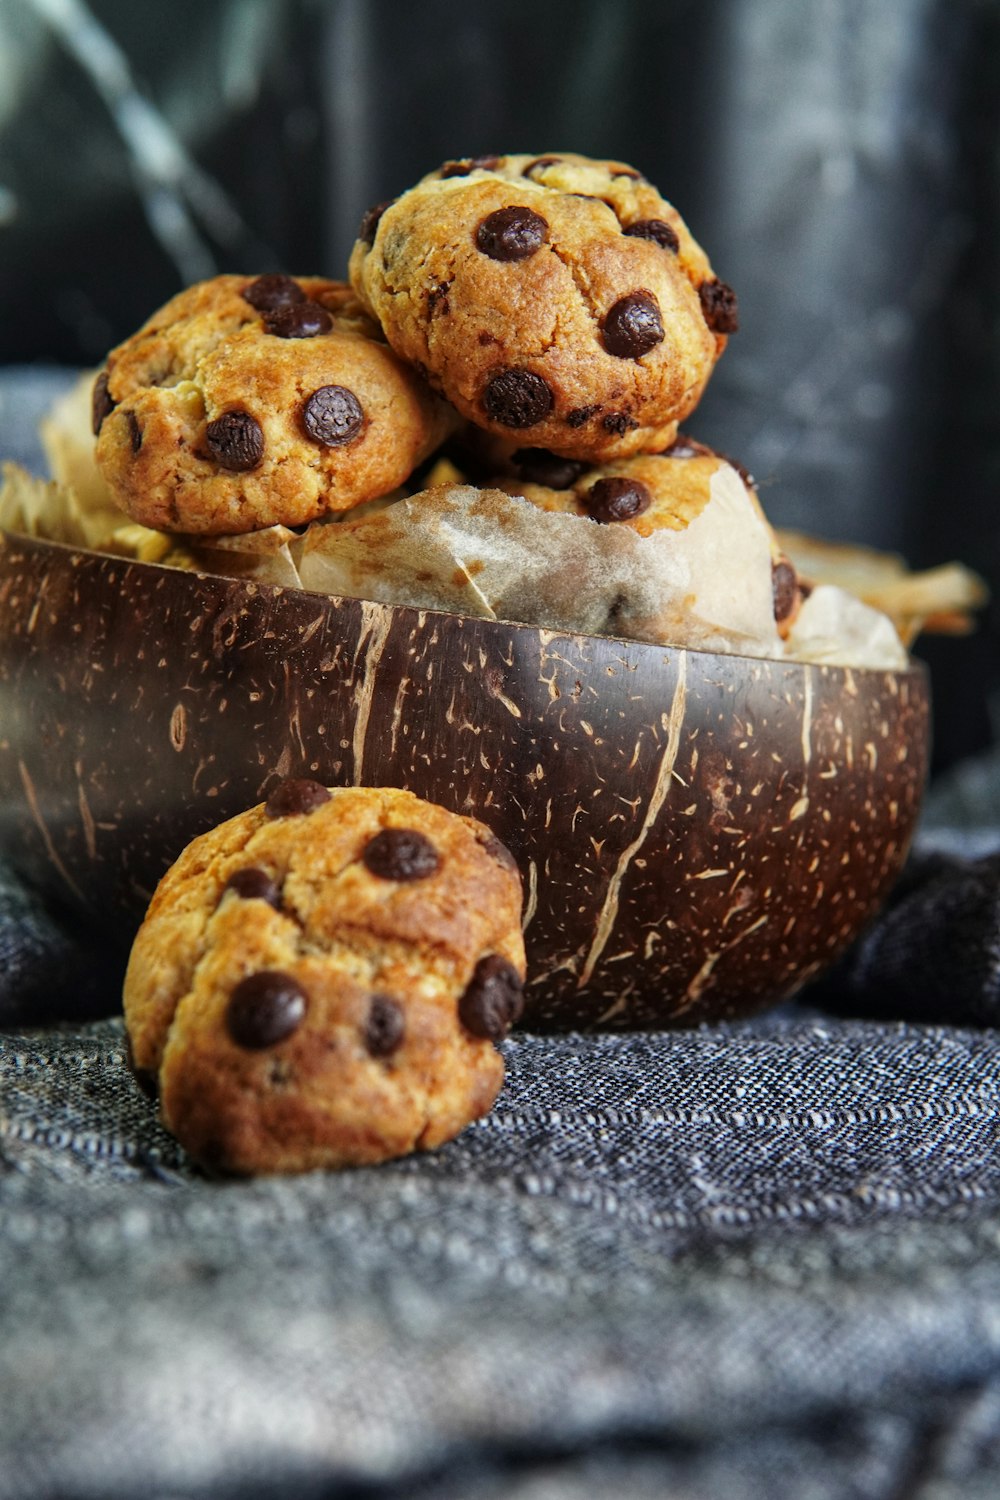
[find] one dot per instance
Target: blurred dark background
(839, 160)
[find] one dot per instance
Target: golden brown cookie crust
(677, 485)
(588, 323)
(365, 950)
(210, 422)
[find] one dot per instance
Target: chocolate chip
(101, 403)
(299, 320)
(627, 172)
(499, 851)
(512, 233)
(581, 414)
(273, 291)
(296, 797)
(265, 1008)
(618, 422)
(385, 1026)
(493, 1000)
(633, 326)
(719, 304)
(253, 884)
(734, 463)
(235, 441)
(539, 466)
(784, 587)
(655, 229)
(401, 854)
(437, 297)
(685, 447)
(469, 164)
(617, 499)
(134, 431)
(517, 398)
(333, 416)
(370, 220)
(539, 164)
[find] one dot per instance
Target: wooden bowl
(699, 834)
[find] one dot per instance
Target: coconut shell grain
(698, 833)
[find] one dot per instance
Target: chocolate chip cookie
(320, 981)
(648, 493)
(248, 402)
(554, 299)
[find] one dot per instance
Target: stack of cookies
(484, 420)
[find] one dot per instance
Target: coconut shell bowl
(699, 834)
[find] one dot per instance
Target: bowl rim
(915, 667)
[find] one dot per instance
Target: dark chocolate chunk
(498, 850)
(627, 172)
(493, 1000)
(469, 164)
(101, 403)
(298, 320)
(741, 469)
(517, 398)
(618, 422)
(253, 884)
(134, 430)
(370, 221)
(401, 854)
(235, 440)
(633, 326)
(655, 229)
(719, 304)
(273, 291)
(539, 466)
(685, 447)
(295, 797)
(617, 499)
(784, 586)
(581, 414)
(511, 233)
(333, 416)
(265, 1008)
(385, 1026)
(437, 297)
(539, 164)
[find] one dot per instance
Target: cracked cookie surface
(557, 299)
(321, 980)
(248, 402)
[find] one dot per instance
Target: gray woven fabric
(751, 1260)
(739, 1257)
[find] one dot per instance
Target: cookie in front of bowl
(321, 980)
(250, 402)
(558, 300)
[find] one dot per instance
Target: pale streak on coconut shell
(698, 833)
